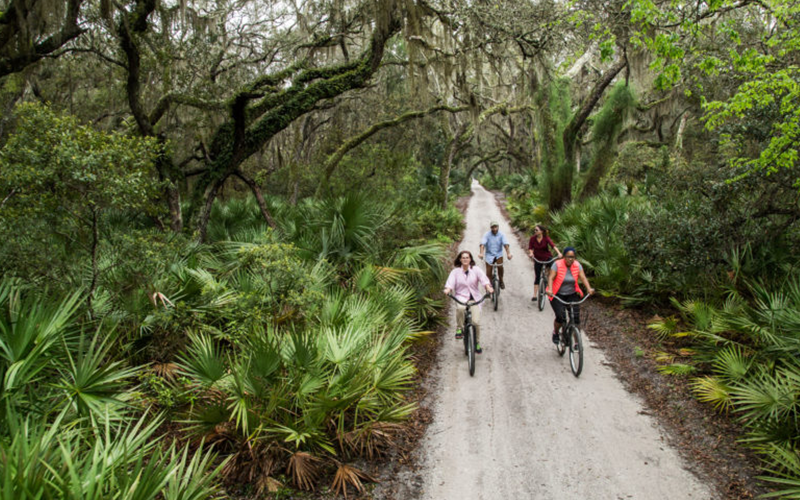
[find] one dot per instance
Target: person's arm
(508, 251)
(530, 247)
(551, 277)
(585, 281)
(480, 254)
(451, 283)
(484, 280)
(553, 245)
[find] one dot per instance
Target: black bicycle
(470, 335)
(570, 336)
(495, 283)
(543, 282)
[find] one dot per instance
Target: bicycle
(470, 340)
(570, 335)
(543, 282)
(495, 284)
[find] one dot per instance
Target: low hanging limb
(334, 159)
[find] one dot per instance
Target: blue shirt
(494, 244)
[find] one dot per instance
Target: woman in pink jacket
(465, 282)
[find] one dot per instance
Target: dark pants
(561, 309)
(499, 260)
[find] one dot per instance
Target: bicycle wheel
(542, 289)
(561, 347)
(471, 349)
(496, 294)
(575, 350)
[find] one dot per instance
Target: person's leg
(538, 271)
(459, 319)
(476, 320)
(558, 309)
(500, 272)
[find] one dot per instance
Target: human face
(569, 258)
(495, 229)
(537, 231)
(465, 260)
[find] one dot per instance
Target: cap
(494, 223)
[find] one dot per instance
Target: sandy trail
(523, 427)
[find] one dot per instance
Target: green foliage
(750, 347)
(61, 182)
(66, 427)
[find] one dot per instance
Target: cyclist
(539, 248)
(492, 245)
(465, 282)
(563, 281)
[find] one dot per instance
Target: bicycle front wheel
(496, 294)
(575, 350)
(471, 349)
(542, 289)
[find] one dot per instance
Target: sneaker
(478, 348)
(502, 285)
(555, 337)
(533, 299)
(459, 333)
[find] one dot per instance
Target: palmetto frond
(732, 364)
(712, 390)
(347, 475)
(203, 362)
(766, 396)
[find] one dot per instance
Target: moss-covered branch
(355, 141)
(24, 52)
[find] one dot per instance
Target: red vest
(561, 271)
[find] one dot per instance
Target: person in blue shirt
(492, 245)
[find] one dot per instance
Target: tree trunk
(262, 203)
(452, 149)
(205, 214)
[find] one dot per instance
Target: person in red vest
(564, 276)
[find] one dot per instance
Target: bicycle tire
(471, 350)
(575, 350)
(542, 289)
(561, 347)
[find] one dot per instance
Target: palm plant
(750, 349)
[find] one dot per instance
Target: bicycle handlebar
(572, 303)
(545, 262)
(493, 264)
(467, 303)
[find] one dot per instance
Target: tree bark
(561, 185)
(262, 203)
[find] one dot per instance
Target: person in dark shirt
(539, 248)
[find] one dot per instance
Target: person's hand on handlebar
(447, 291)
(591, 291)
(489, 288)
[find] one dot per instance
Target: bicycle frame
(543, 280)
(470, 341)
(570, 335)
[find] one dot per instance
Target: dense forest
(225, 224)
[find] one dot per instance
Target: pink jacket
(464, 284)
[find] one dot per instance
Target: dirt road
(523, 427)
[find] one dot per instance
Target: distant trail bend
(523, 427)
